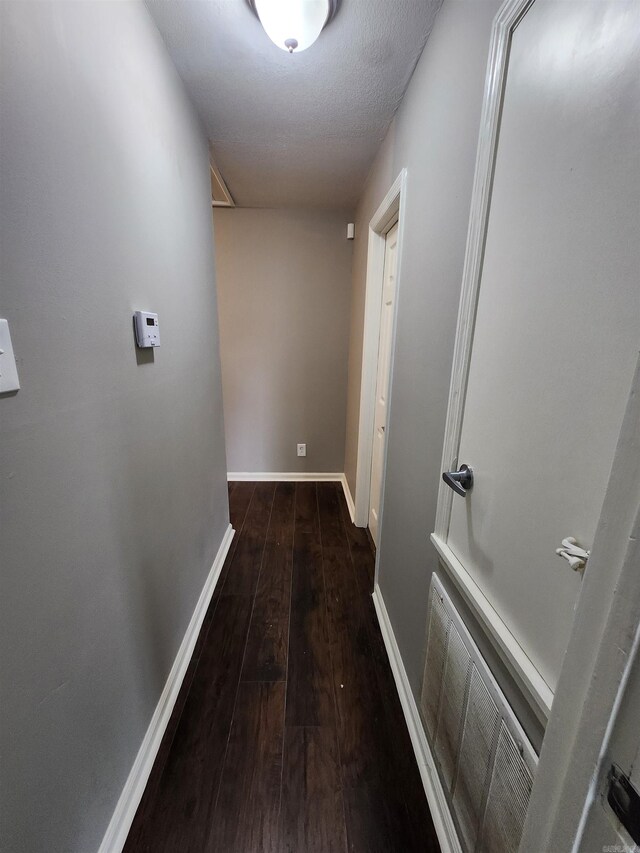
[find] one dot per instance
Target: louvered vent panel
(452, 705)
(485, 761)
(439, 621)
(480, 727)
(508, 799)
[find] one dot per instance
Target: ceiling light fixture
(294, 25)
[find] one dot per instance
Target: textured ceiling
(300, 130)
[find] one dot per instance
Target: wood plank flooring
(288, 735)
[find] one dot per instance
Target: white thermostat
(8, 370)
(147, 329)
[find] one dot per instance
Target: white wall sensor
(147, 329)
(351, 230)
(8, 370)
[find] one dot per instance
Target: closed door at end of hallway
(383, 378)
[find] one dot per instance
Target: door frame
(603, 647)
(391, 210)
(515, 658)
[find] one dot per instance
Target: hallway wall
(284, 280)
(113, 498)
(434, 135)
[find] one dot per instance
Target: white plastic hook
(572, 552)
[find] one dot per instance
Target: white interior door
(383, 378)
(557, 322)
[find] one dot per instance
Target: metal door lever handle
(460, 481)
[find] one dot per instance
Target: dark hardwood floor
(288, 735)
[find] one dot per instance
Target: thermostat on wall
(147, 329)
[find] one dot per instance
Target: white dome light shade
(292, 24)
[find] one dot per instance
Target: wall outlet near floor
(302, 449)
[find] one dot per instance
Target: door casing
(390, 211)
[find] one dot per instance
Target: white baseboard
(440, 813)
(279, 477)
(347, 496)
(125, 811)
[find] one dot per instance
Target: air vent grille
(485, 761)
(452, 704)
(480, 728)
(508, 799)
(439, 623)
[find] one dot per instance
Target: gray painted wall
(284, 282)
(435, 136)
(112, 466)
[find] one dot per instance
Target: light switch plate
(8, 371)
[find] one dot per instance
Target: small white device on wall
(147, 329)
(8, 370)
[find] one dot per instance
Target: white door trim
(603, 643)
(391, 209)
(514, 656)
